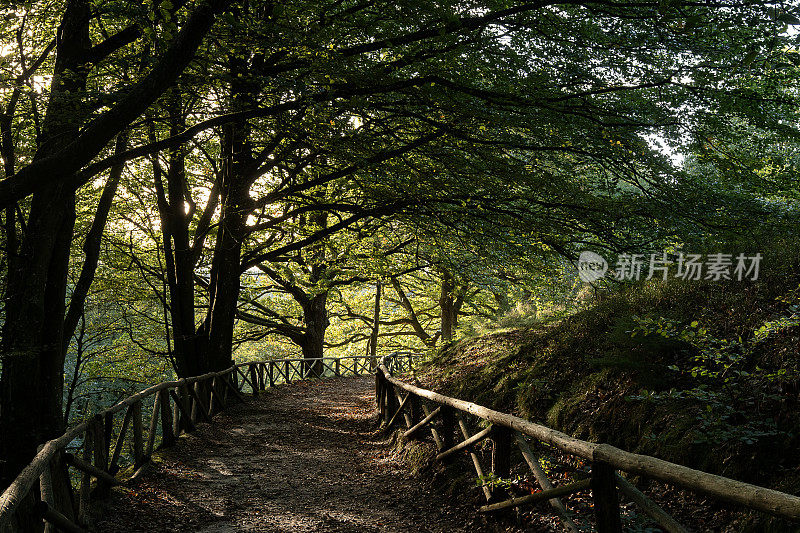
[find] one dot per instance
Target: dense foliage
(190, 182)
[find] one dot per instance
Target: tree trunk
(91, 246)
(236, 206)
(413, 320)
(447, 306)
(451, 300)
(376, 320)
(315, 314)
(224, 290)
(32, 381)
(178, 254)
(32, 346)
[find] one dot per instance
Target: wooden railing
(177, 406)
(419, 408)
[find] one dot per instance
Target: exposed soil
(300, 458)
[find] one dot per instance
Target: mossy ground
(582, 374)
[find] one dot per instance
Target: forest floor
(300, 458)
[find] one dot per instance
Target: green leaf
(691, 23)
(788, 18)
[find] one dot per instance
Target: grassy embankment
(700, 373)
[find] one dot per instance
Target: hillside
(703, 374)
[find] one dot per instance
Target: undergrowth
(700, 373)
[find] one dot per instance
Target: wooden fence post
(108, 429)
(448, 427)
(99, 458)
(151, 435)
(194, 414)
(187, 401)
(138, 447)
(406, 406)
(434, 433)
(271, 373)
(62, 487)
(501, 451)
(86, 480)
(100, 453)
(606, 501)
(253, 379)
(217, 403)
(213, 400)
(391, 402)
(176, 414)
(113, 466)
(476, 462)
(414, 410)
(208, 391)
(200, 408)
(378, 392)
(167, 435)
(385, 400)
(232, 388)
(501, 457)
(181, 414)
(221, 390)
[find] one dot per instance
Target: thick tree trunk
(503, 305)
(32, 346)
(451, 300)
(236, 206)
(33, 356)
(225, 286)
(315, 314)
(32, 381)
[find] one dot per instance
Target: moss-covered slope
(588, 376)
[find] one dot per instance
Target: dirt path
(300, 458)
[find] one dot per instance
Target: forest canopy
(189, 182)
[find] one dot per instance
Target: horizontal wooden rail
(177, 406)
(605, 459)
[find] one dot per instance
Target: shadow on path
(299, 458)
